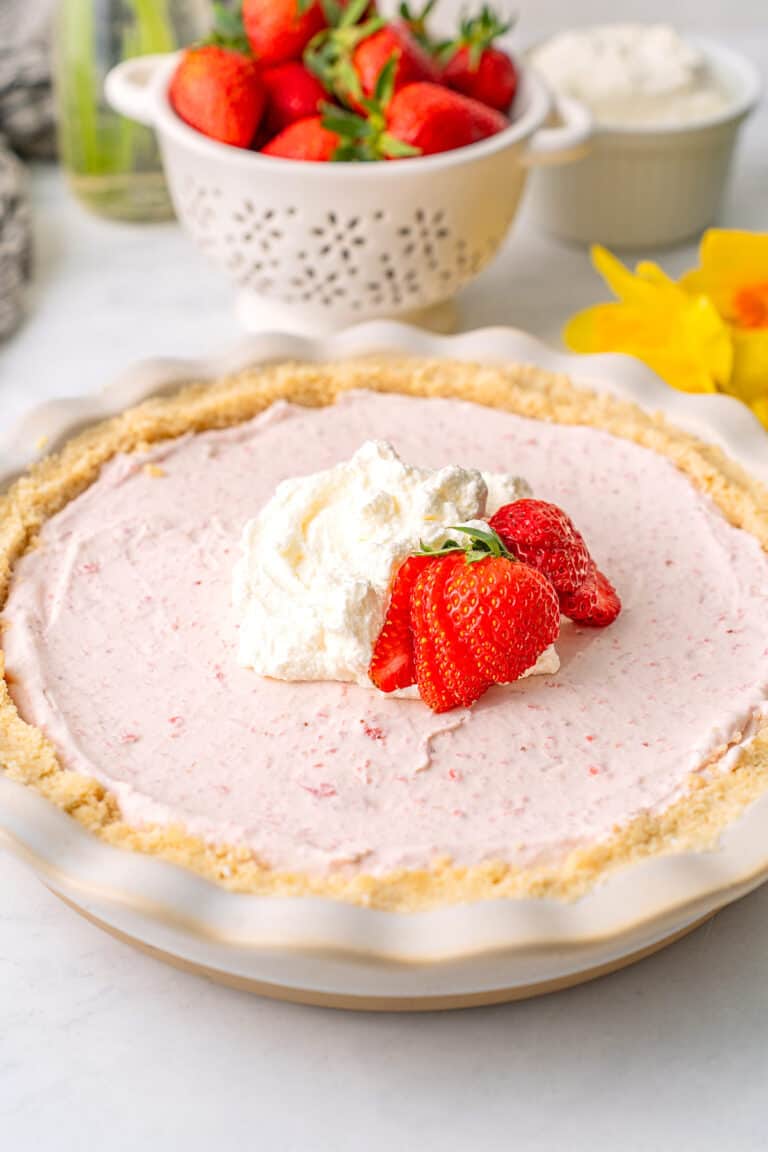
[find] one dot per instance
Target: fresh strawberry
(420, 119)
(392, 664)
(304, 140)
(596, 603)
(279, 30)
(293, 93)
(472, 65)
(330, 54)
(417, 22)
(393, 41)
(543, 536)
(220, 93)
(477, 617)
(433, 119)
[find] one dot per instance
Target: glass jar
(113, 164)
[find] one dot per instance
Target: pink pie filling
(122, 647)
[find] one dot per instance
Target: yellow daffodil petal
(687, 345)
(733, 272)
(749, 380)
(630, 289)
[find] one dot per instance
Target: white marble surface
(103, 1048)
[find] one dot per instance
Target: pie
(123, 701)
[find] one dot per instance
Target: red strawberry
(293, 93)
(304, 140)
(220, 93)
(477, 617)
(472, 65)
(596, 603)
(392, 664)
(279, 30)
(543, 536)
(393, 41)
(434, 119)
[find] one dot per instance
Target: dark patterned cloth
(26, 128)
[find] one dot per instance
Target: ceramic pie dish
(322, 943)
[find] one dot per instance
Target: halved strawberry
(392, 665)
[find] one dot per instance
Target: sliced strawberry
(392, 665)
(432, 645)
(505, 613)
(596, 603)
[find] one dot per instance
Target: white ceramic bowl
(314, 247)
(650, 186)
(320, 950)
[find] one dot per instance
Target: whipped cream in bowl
(666, 111)
(312, 583)
(633, 74)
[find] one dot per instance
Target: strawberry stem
(476, 33)
(329, 54)
(483, 544)
(227, 30)
(366, 137)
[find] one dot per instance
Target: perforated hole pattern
(332, 259)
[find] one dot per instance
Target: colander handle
(129, 87)
(569, 140)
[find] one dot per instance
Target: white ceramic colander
(313, 247)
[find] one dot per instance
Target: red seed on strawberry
(220, 93)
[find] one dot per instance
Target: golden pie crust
(694, 822)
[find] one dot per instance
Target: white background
(101, 1048)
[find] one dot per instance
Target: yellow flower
(733, 273)
(677, 333)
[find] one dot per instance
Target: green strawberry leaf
(227, 29)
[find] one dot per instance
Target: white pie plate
(323, 951)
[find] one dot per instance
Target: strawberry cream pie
(400, 632)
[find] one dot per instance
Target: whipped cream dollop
(312, 585)
(632, 74)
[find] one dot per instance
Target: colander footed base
(262, 314)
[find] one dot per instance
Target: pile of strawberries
(471, 615)
(326, 80)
